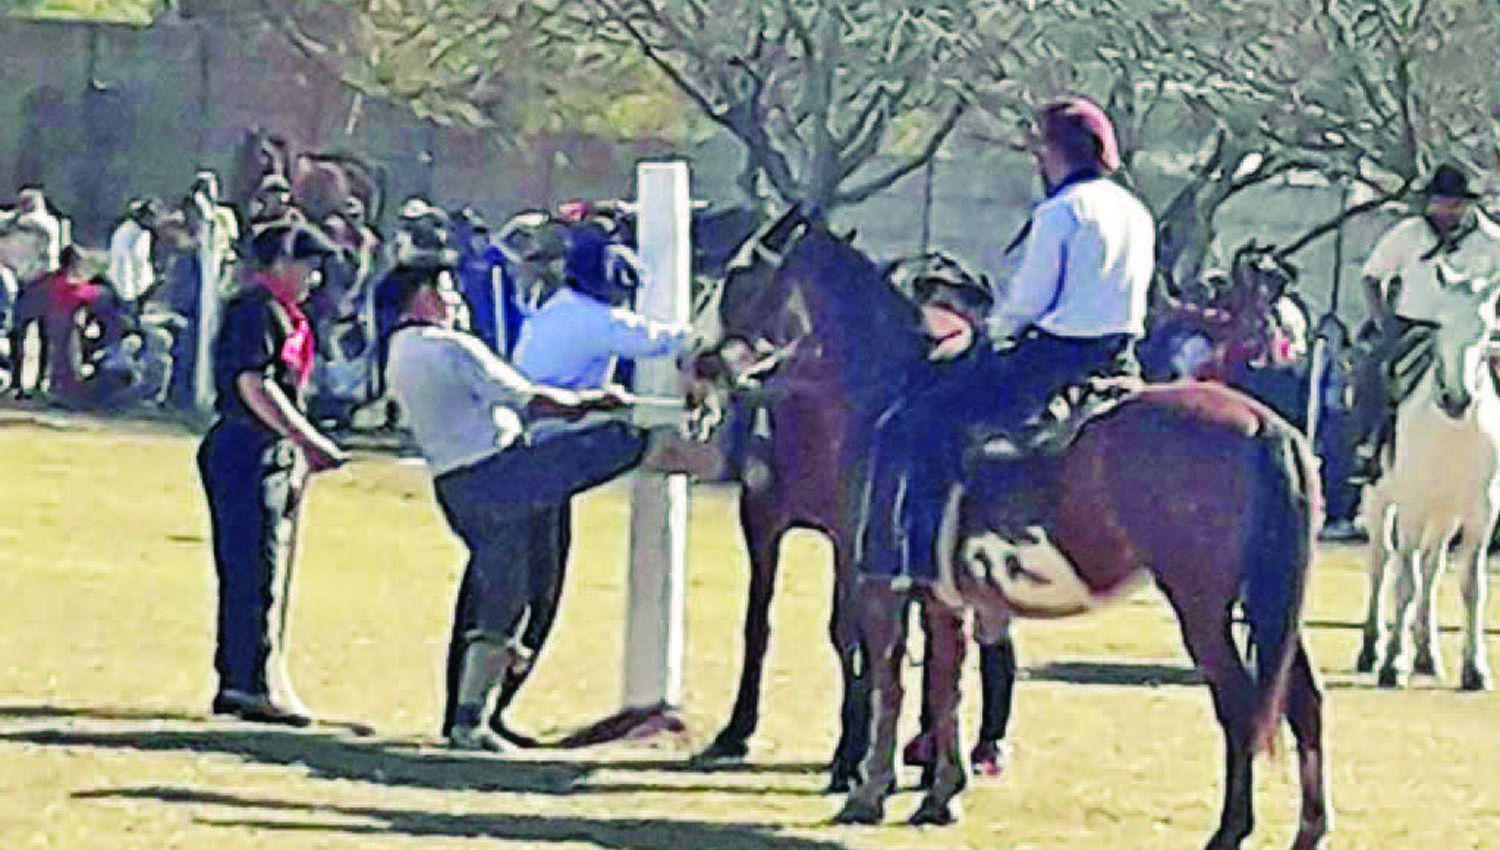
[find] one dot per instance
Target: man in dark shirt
(254, 463)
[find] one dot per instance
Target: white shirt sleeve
(1392, 251)
(491, 379)
(1035, 285)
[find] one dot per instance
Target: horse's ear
(848, 238)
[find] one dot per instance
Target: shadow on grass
(328, 755)
(622, 834)
(1358, 625)
(1114, 673)
(90, 712)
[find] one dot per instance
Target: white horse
(1441, 491)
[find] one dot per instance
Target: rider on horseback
(1401, 288)
(1074, 309)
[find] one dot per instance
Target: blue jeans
(920, 441)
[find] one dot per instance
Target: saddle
(1012, 476)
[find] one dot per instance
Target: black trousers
(254, 486)
(512, 513)
(920, 441)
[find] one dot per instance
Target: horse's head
(1462, 343)
(752, 309)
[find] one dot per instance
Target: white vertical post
(659, 503)
(210, 265)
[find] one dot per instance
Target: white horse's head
(1463, 343)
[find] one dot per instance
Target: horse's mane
(867, 327)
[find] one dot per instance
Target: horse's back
(1172, 474)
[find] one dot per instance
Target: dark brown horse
(818, 396)
(1197, 487)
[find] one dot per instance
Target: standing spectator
(481, 278)
(130, 269)
(1334, 440)
(254, 463)
(272, 204)
(33, 212)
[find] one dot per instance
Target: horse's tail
(1277, 560)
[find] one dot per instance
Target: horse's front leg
(1476, 667)
(763, 540)
(1397, 667)
(854, 714)
(1428, 659)
(882, 623)
(1380, 556)
(944, 665)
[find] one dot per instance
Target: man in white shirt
(497, 481)
(1074, 308)
(130, 270)
(1401, 284)
(32, 213)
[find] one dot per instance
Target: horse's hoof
(934, 813)
(1366, 660)
(1311, 835)
(843, 778)
(723, 748)
(1224, 841)
(1475, 679)
(990, 758)
(1390, 677)
(1426, 666)
(919, 752)
(860, 814)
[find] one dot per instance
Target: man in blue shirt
(1074, 308)
(577, 336)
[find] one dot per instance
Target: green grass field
(105, 674)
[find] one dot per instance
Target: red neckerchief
(299, 349)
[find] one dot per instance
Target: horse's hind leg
(1476, 667)
(1207, 634)
(943, 667)
(882, 621)
(1305, 713)
(1394, 672)
(1380, 555)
